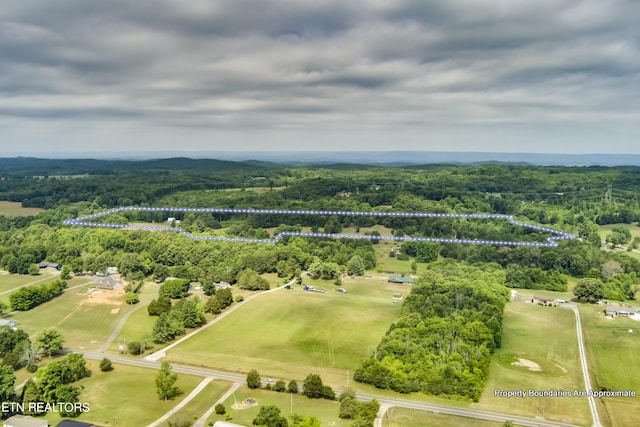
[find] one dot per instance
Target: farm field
(125, 396)
(403, 417)
(613, 363)
(543, 341)
(290, 333)
(16, 209)
(325, 410)
(9, 282)
(84, 318)
(202, 402)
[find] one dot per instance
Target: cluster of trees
(254, 381)
(175, 288)
(17, 350)
(363, 414)
(442, 343)
(217, 302)
(54, 384)
(535, 278)
(28, 297)
(186, 313)
(250, 280)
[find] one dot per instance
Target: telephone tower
(607, 196)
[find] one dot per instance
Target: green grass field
(84, 318)
(16, 209)
(613, 363)
(325, 410)
(547, 337)
(290, 333)
(125, 396)
(202, 402)
(606, 229)
(8, 282)
(403, 417)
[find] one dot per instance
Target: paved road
(389, 401)
(203, 419)
(184, 401)
(163, 351)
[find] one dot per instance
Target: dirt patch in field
(115, 310)
(529, 364)
(103, 296)
(245, 404)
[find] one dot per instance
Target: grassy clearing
(125, 396)
(290, 333)
(8, 282)
(606, 229)
(16, 209)
(547, 337)
(325, 410)
(202, 402)
(613, 363)
(84, 324)
(403, 417)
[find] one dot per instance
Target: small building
(112, 270)
(108, 283)
(24, 421)
(397, 296)
(613, 310)
(541, 299)
(45, 264)
(8, 322)
(223, 285)
(400, 279)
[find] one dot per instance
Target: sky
(544, 76)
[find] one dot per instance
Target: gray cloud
(424, 74)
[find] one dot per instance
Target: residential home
(108, 282)
(8, 322)
(613, 310)
(400, 279)
(541, 299)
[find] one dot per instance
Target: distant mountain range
(220, 160)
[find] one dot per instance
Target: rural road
(203, 419)
(163, 351)
(585, 368)
(389, 401)
(119, 326)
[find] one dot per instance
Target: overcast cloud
(455, 75)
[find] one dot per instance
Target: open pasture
(290, 333)
(540, 352)
(16, 209)
(613, 352)
(403, 417)
(9, 282)
(84, 320)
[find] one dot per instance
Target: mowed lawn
(633, 228)
(16, 209)
(325, 410)
(290, 333)
(9, 282)
(403, 417)
(614, 363)
(546, 336)
(82, 323)
(125, 396)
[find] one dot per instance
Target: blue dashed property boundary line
(551, 241)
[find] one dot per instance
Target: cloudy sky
(455, 75)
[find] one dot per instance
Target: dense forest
(451, 322)
(449, 326)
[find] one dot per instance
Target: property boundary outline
(551, 241)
